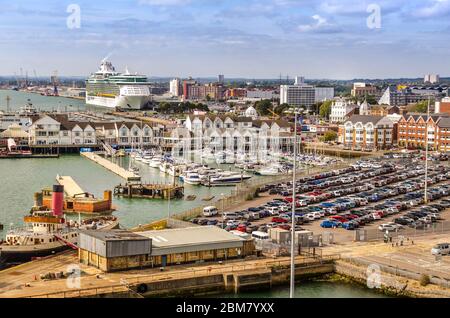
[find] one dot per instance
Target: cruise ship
(108, 88)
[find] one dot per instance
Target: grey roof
(364, 119)
(115, 235)
(444, 122)
(191, 239)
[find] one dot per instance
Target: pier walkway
(121, 172)
(25, 280)
(71, 188)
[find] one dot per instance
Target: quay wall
(214, 284)
(394, 282)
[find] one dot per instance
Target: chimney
(38, 199)
(58, 200)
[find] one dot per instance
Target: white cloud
(320, 24)
(435, 8)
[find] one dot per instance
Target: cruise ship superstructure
(109, 88)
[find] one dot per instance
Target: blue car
(349, 226)
(328, 224)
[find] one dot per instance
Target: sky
(332, 39)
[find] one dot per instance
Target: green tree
(371, 99)
(420, 107)
(164, 107)
(329, 136)
(325, 109)
(263, 107)
(279, 110)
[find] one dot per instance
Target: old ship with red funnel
(47, 232)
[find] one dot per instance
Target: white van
(260, 236)
(210, 211)
(229, 216)
(441, 249)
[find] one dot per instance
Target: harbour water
(22, 177)
(42, 103)
(314, 289)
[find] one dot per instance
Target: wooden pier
(121, 172)
(149, 191)
(71, 188)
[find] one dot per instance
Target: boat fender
(142, 288)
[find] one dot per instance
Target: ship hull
(10, 256)
(123, 102)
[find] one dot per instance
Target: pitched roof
(444, 122)
(364, 119)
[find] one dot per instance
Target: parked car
(441, 249)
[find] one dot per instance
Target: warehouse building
(126, 250)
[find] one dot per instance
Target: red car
(279, 220)
(339, 218)
(284, 227)
(242, 228)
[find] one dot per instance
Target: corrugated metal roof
(191, 239)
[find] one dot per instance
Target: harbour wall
(390, 281)
(215, 284)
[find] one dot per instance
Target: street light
(294, 177)
(426, 152)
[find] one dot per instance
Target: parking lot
(388, 192)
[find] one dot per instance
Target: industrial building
(121, 250)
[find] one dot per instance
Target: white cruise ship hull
(123, 102)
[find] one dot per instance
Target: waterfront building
(364, 132)
(341, 110)
(117, 250)
(240, 134)
(63, 130)
(413, 132)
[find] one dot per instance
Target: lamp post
(426, 153)
(294, 177)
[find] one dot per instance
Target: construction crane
(55, 82)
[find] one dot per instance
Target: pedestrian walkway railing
(127, 283)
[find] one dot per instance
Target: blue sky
(252, 38)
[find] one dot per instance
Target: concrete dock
(71, 188)
(121, 172)
(230, 276)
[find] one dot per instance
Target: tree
(279, 110)
(420, 107)
(263, 107)
(329, 136)
(325, 109)
(371, 99)
(164, 107)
